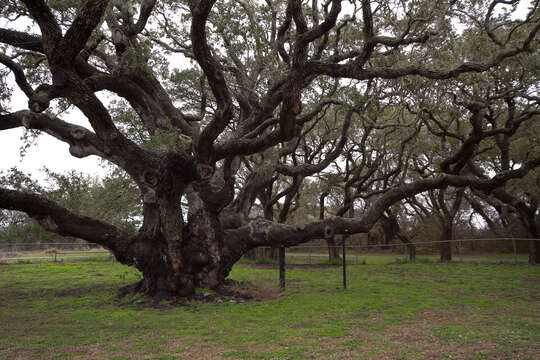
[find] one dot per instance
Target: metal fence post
(282, 268)
(515, 250)
(344, 253)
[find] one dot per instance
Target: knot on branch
(259, 229)
(328, 231)
(39, 102)
(26, 120)
(150, 177)
(80, 151)
(205, 171)
(120, 40)
(78, 133)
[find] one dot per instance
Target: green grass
(400, 310)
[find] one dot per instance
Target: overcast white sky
(47, 151)
(54, 154)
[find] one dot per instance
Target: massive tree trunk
(175, 257)
(174, 264)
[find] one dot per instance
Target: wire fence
(296, 255)
(43, 252)
(357, 254)
(312, 255)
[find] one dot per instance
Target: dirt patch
(230, 291)
(130, 350)
(417, 339)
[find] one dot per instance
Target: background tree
(111, 199)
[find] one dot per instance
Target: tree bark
(333, 251)
(396, 229)
(411, 248)
(446, 246)
(534, 244)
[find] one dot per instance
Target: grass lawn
(393, 311)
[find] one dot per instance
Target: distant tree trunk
(446, 247)
(251, 254)
(333, 250)
(534, 252)
(396, 230)
(411, 248)
(272, 253)
(446, 216)
(530, 221)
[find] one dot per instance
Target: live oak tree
(256, 75)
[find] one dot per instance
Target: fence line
(50, 244)
(89, 249)
(399, 244)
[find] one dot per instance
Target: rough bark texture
(333, 250)
(386, 230)
(446, 246)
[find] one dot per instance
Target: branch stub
(328, 232)
(204, 171)
(149, 177)
(78, 133)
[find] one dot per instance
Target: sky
(54, 154)
(47, 151)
